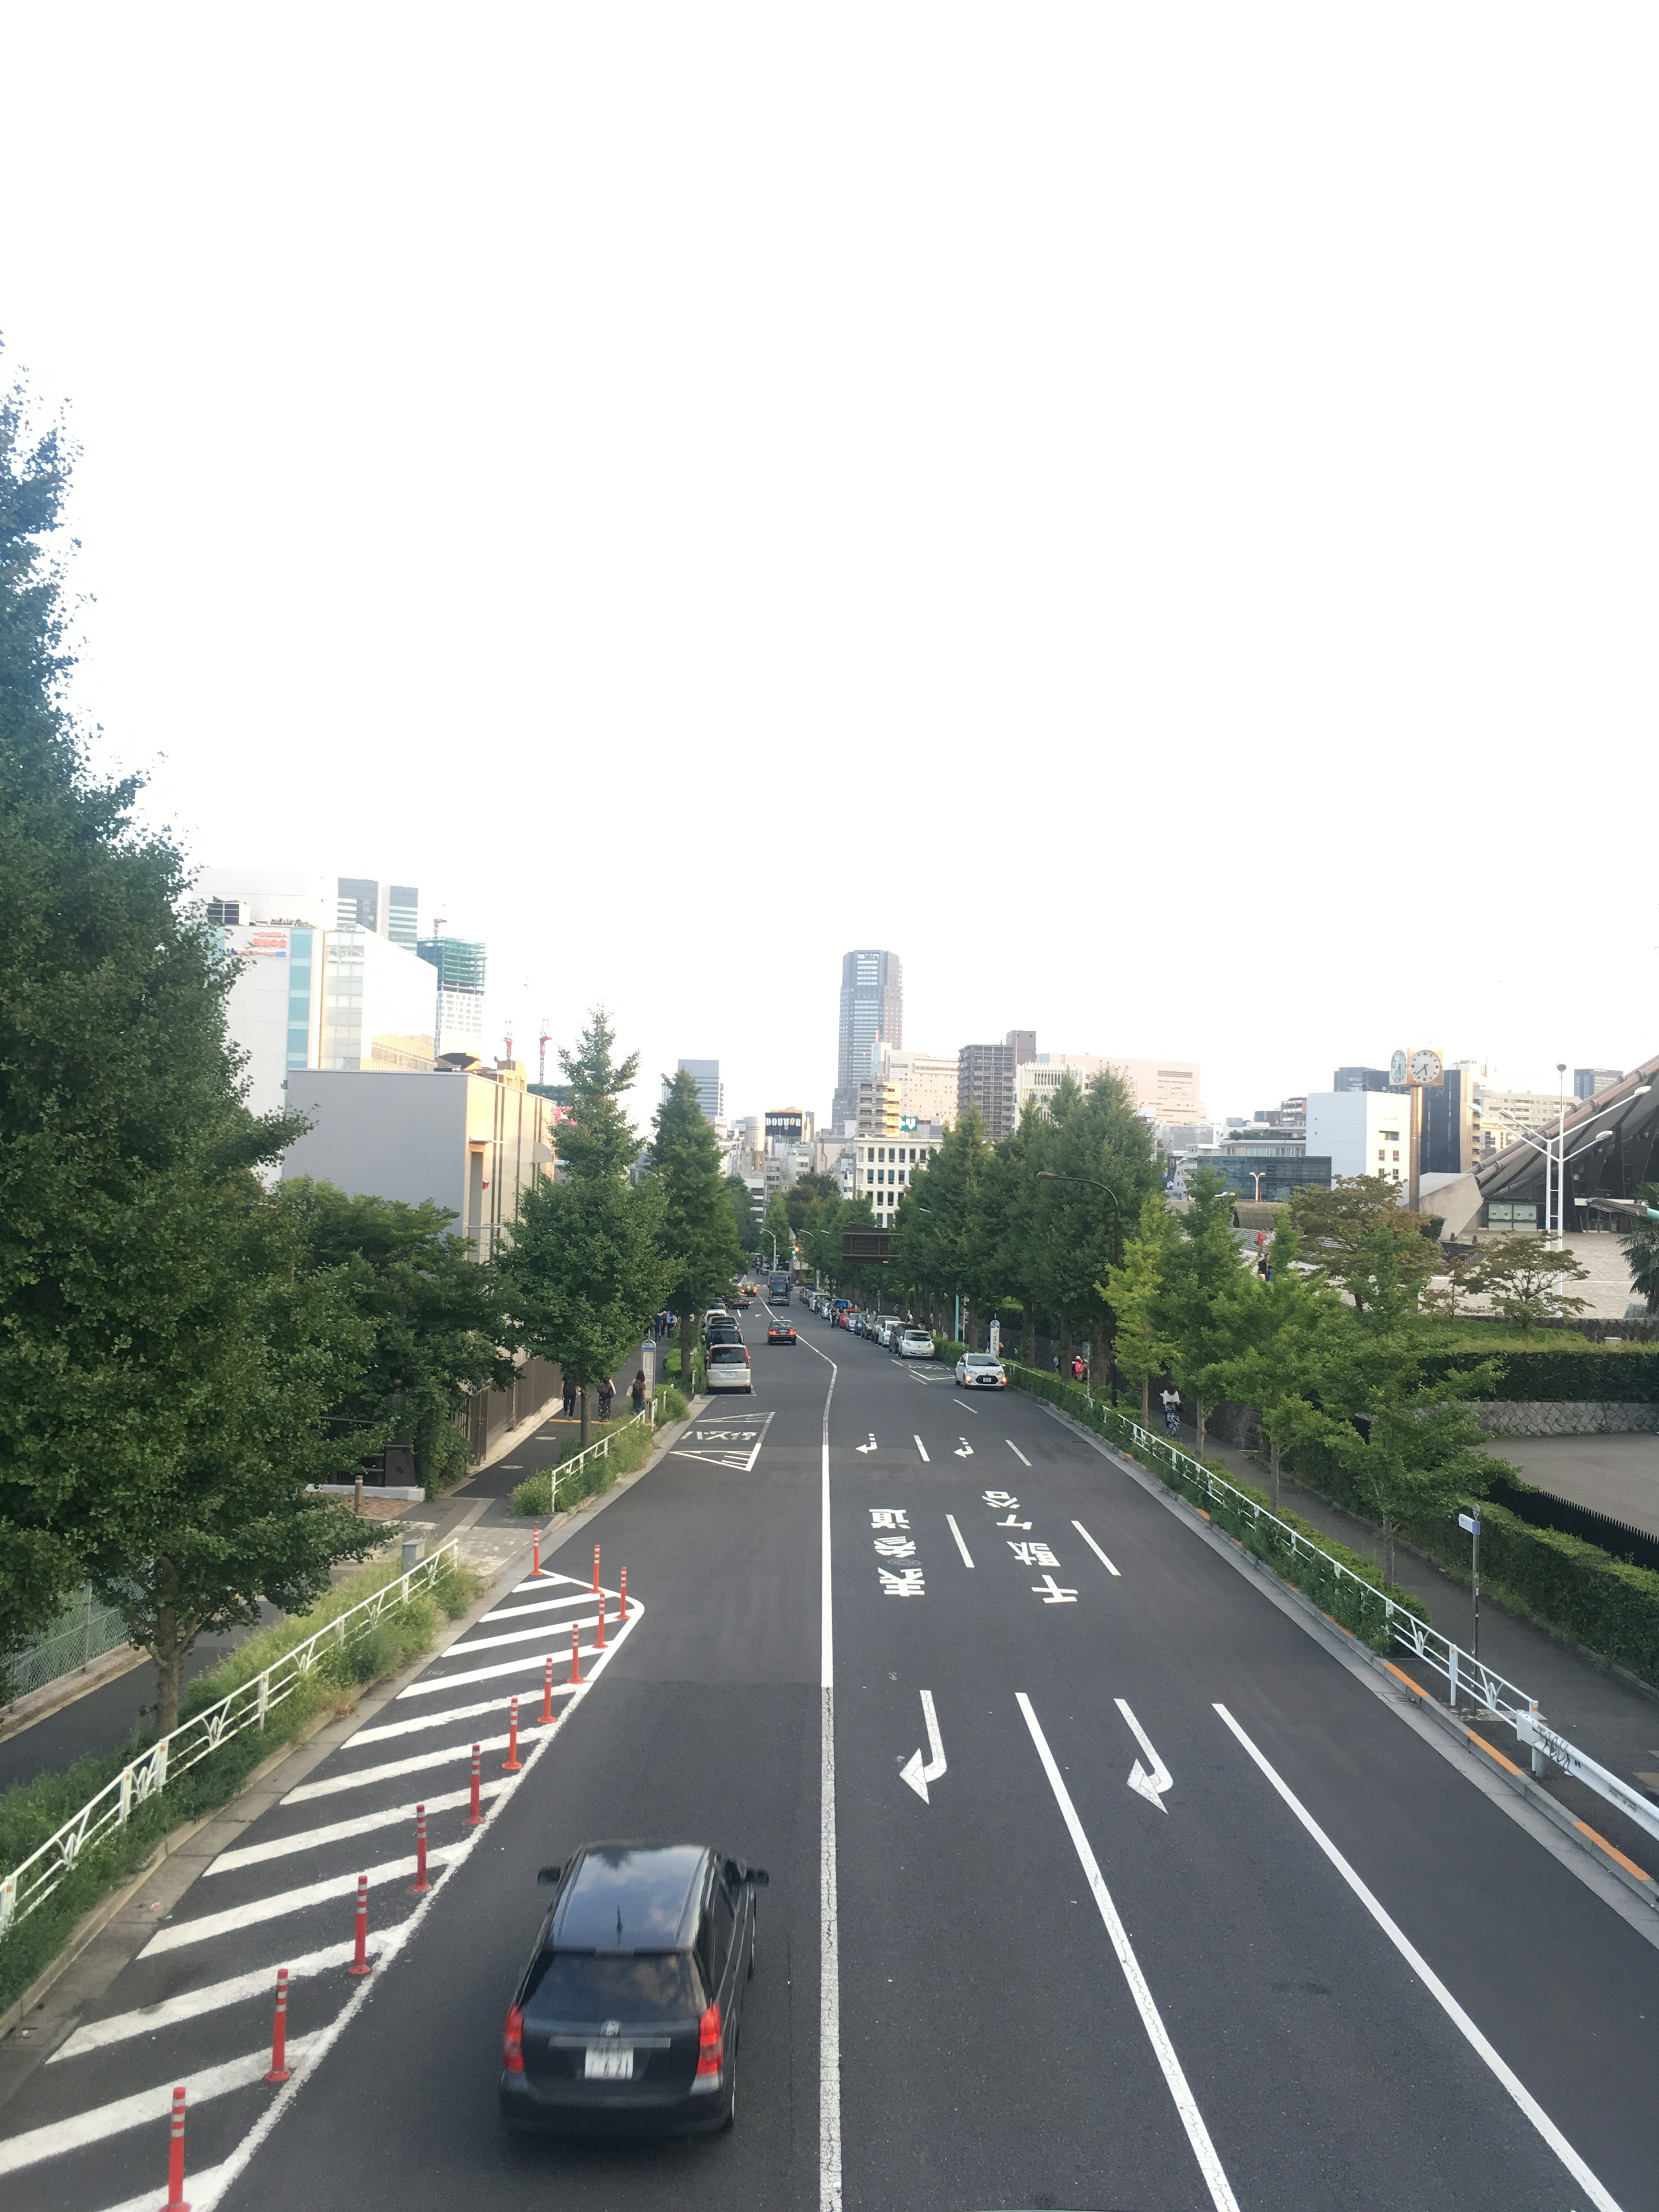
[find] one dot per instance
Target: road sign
(865, 1244)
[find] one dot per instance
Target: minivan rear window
(629, 1986)
(725, 1355)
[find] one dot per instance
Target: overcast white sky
(1146, 511)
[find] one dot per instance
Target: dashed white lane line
(1603, 2200)
(359, 1777)
(190, 2004)
(920, 1446)
(423, 1720)
(339, 1831)
(208, 1924)
(1209, 2164)
(1096, 1549)
(965, 1407)
(1016, 1452)
(957, 1532)
(100, 2120)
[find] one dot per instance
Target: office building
(883, 1171)
(1588, 1081)
(1163, 1089)
(473, 1139)
(1271, 1175)
(788, 1124)
(1499, 1117)
(1041, 1074)
(1360, 1079)
(388, 910)
(711, 1091)
(1361, 1132)
(926, 1082)
(461, 967)
(986, 1078)
(872, 1015)
(1448, 1136)
(880, 1110)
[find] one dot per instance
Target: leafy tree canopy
(1337, 1230)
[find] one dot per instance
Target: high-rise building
(926, 1082)
(388, 910)
(872, 1015)
(1360, 1079)
(461, 964)
(880, 1110)
(1587, 1082)
(985, 1078)
(711, 1091)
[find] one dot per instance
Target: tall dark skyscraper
(872, 1015)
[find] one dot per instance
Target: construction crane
(542, 1041)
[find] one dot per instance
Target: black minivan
(625, 2018)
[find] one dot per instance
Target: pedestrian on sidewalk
(607, 1397)
(568, 1406)
(638, 1392)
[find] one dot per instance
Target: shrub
(631, 1444)
(1570, 1370)
(671, 1407)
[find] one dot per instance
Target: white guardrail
(600, 1449)
(31, 1883)
(1466, 1677)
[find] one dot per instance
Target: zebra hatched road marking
(440, 1720)
(359, 1777)
(310, 1839)
(190, 2004)
(207, 1925)
(100, 2120)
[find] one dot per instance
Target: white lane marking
(872, 1445)
(542, 1605)
(957, 1532)
(1016, 1452)
(1151, 1786)
(338, 1832)
(386, 1948)
(98, 2122)
(546, 1578)
(912, 1771)
(207, 1925)
(828, 1909)
(547, 1633)
(531, 1663)
(190, 2004)
(1443, 1997)
(965, 1407)
(207, 2185)
(1157, 2035)
(1096, 1549)
(965, 1450)
(359, 1777)
(920, 1446)
(424, 1721)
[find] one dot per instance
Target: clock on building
(1427, 1067)
(1397, 1069)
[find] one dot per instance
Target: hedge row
(1358, 1598)
(1615, 1374)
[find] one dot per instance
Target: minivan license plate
(606, 2062)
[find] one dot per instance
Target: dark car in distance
(780, 1332)
(626, 2018)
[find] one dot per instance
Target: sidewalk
(1608, 1715)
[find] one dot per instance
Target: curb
(1634, 1879)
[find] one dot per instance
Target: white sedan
(915, 1344)
(978, 1370)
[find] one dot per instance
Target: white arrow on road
(1151, 1786)
(912, 1771)
(870, 1447)
(965, 1450)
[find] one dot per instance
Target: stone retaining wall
(1567, 1418)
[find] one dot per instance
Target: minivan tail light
(513, 2042)
(708, 2041)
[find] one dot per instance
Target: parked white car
(977, 1370)
(727, 1369)
(915, 1344)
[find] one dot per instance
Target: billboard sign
(785, 1124)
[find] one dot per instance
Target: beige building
(926, 1084)
(1167, 1089)
(881, 1108)
(1499, 1117)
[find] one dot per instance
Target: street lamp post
(1048, 1175)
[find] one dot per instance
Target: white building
(473, 1141)
(883, 1171)
(1041, 1077)
(1362, 1132)
(926, 1082)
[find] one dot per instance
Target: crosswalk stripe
(546, 1633)
(542, 1605)
(190, 2004)
(359, 1777)
(208, 1924)
(338, 1830)
(531, 1663)
(100, 2120)
(423, 1720)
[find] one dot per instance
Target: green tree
(744, 1220)
(436, 1314)
(1135, 1292)
(1287, 1335)
(777, 1234)
(1197, 1309)
(1641, 1246)
(699, 1231)
(1336, 1228)
(1103, 1156)
(1414, 1448)
(140, 1329)
(585, 1268)
(1519, 1274)
(945, 1237)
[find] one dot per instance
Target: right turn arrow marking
(1151, 1786)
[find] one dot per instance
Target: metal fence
(29, 1884)
(82, 1631)
(599, 1449)
(1386, 1623)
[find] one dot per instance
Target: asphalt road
(1214, 2014)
